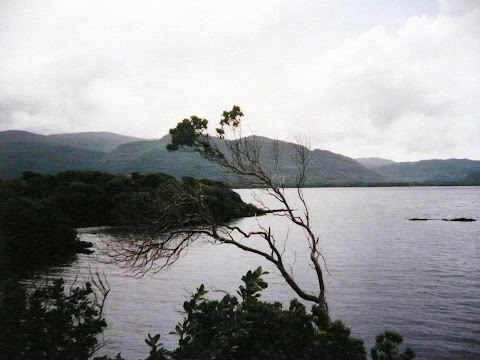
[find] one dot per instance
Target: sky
(397, 79)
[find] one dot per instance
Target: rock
(461, 219)
(454, 219)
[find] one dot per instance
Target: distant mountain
(24, 151)
(17, 157)
(150, 156)
(10, 136)
(374, 162)
(433, 171)
(97, 141)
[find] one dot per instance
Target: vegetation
(39, 213)
(252, 329)
(386, 348)
(50, 323)
(33, 233)
(55, 323)
(247, 328)
(92, 198)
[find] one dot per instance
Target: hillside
(148, 156)
(17, 157)
(327, 167)
(374, 162)
(97, 141)
(20, 136)
(118, 154)
(152, 156)
(440, 171)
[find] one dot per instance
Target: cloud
(361, 80)
(458, 7)
(123, 66)
(418, 85)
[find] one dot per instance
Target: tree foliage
(50, 323)
(248, 328)
(387, 348)
(33, 233)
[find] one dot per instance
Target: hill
(20, 136)
(97, 141)
(118, 154)
(150, 156)
(432, 171)
(374, 162)
(17, 157)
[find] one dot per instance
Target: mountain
(432, 171)
(152, 156)
(325, 167)
(48, 154)
(97, 141)
(17, 157)
(10, 136)
(374, 162)
(24, 151)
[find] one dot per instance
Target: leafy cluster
(49, 324)
(186, 132)
(252, 329)
(386, 348)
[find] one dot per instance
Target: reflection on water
(418, 278)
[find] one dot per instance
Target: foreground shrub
(246, 328)
(49, 323)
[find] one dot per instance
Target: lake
(420, 278)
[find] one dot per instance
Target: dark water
(421, 278)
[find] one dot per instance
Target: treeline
(39, 213)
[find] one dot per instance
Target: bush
(252, 329)
(34, 232)
(50, 324)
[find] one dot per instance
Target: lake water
(420, 278)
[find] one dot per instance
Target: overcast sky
(398, 79)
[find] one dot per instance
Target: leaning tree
(186, 216)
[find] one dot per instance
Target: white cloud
(458, 7)
(370, 79)
(418, 86)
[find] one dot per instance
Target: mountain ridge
(18, 157)
(104, 141)
(120, 154)
(374, 162)
(434, 170)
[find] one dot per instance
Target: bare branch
(249, 160)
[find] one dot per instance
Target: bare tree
(250, 162)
